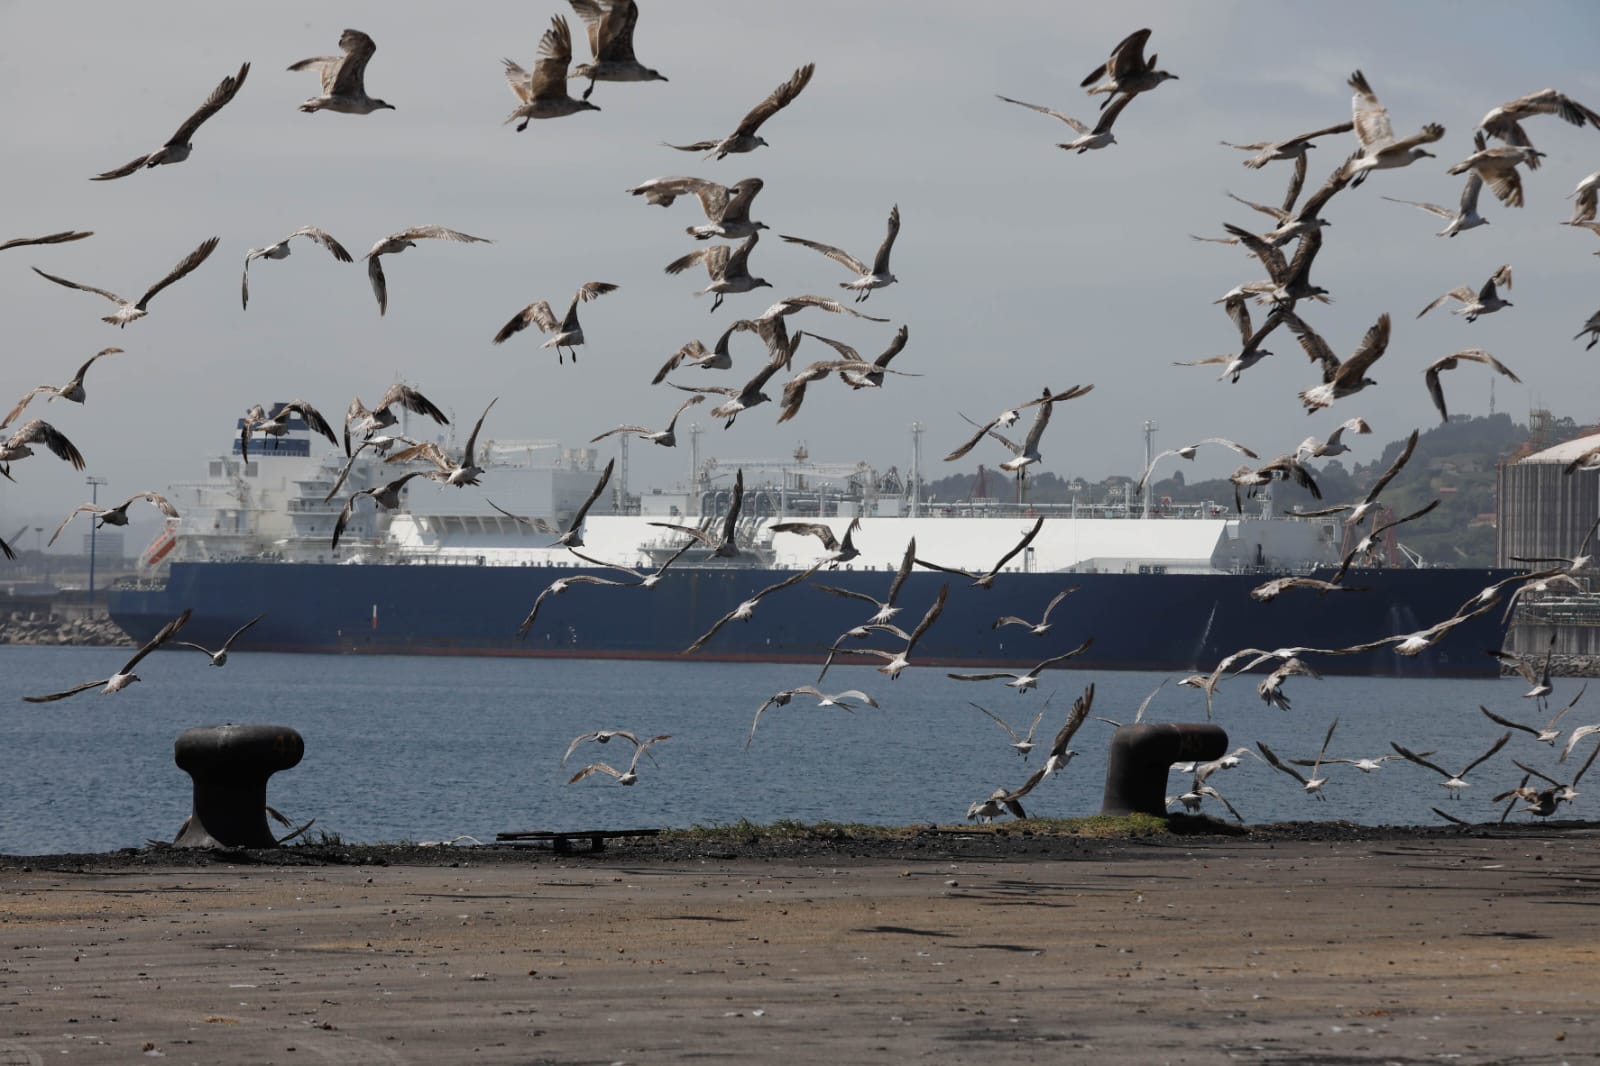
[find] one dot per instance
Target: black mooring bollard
(230, 765)
(1142, 755)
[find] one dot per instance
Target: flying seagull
(1029, 680)
(1339, 379)
(1268, 591)
(1005, 800)
(343, 78)
(366, 421)
(728, 268)
(125, 676)
(1379, 148)
(896, 661)
(667, 438)
(220, 656)
(1127, 70)
(624, 777)
(838, 552)
(1584, 198)
(1450, 362)
(1060, 754)
(1089, 138)
(115, 516)
(448, 470)
(747, 607)
(281, 251)
(611, 24)
(1283, 468)
(1592, 328)
(399, 242)
(1043, 625)
(256, 421)
(886, 608)
(606, 736)
(727, 207)
(743, 138)
(726, 544)
(1250, 340)
(867, 278)
(1498, 169)
(867, 375)
(72, 390)
(1292, 222)
(1454, 782)
(749, 395)
(555, 588)
(38, 431)
(572, 536)
(1313, 784)
(794, 390)
(840, 700)
(1367, 544)
(1294, 148)
(543, 94)
(1504, 122)
(1371, 499)
(127, 310)
(1538, 679)
(568, 333)
(49, 238)
(177, 148)
(1270, 688)
(986, 579)
(1023, 744)
(1464, 217)
(1312, 448)
(642, 579)
(1188, 451)
(1485, 301)
(696, 354)
(386, 496)
(1028, 453)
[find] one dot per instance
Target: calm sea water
(414, 749)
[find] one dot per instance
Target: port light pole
(94, 527)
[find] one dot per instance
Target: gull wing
(1077, 126)
(776, 101)
(1496, 746)
(347, 77)
(224, 92)
(1370, 117)
(838, 255)
(1373, 344)
(605, 476)
(113, 297)
(1127, 56)
(1278, 764)
(880, 262)
(50, 238)
(188, 263)
(1109, 115)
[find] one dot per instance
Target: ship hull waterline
(1154, 621)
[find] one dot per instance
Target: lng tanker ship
(1156, 587)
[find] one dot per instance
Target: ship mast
(1150, 427)
(916, 469)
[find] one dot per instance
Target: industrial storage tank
(1545, 513)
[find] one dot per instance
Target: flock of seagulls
(729, 237)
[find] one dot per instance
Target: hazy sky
(1020, 265)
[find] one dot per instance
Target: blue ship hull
(1169, 622)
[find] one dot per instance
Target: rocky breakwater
(19, 627)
